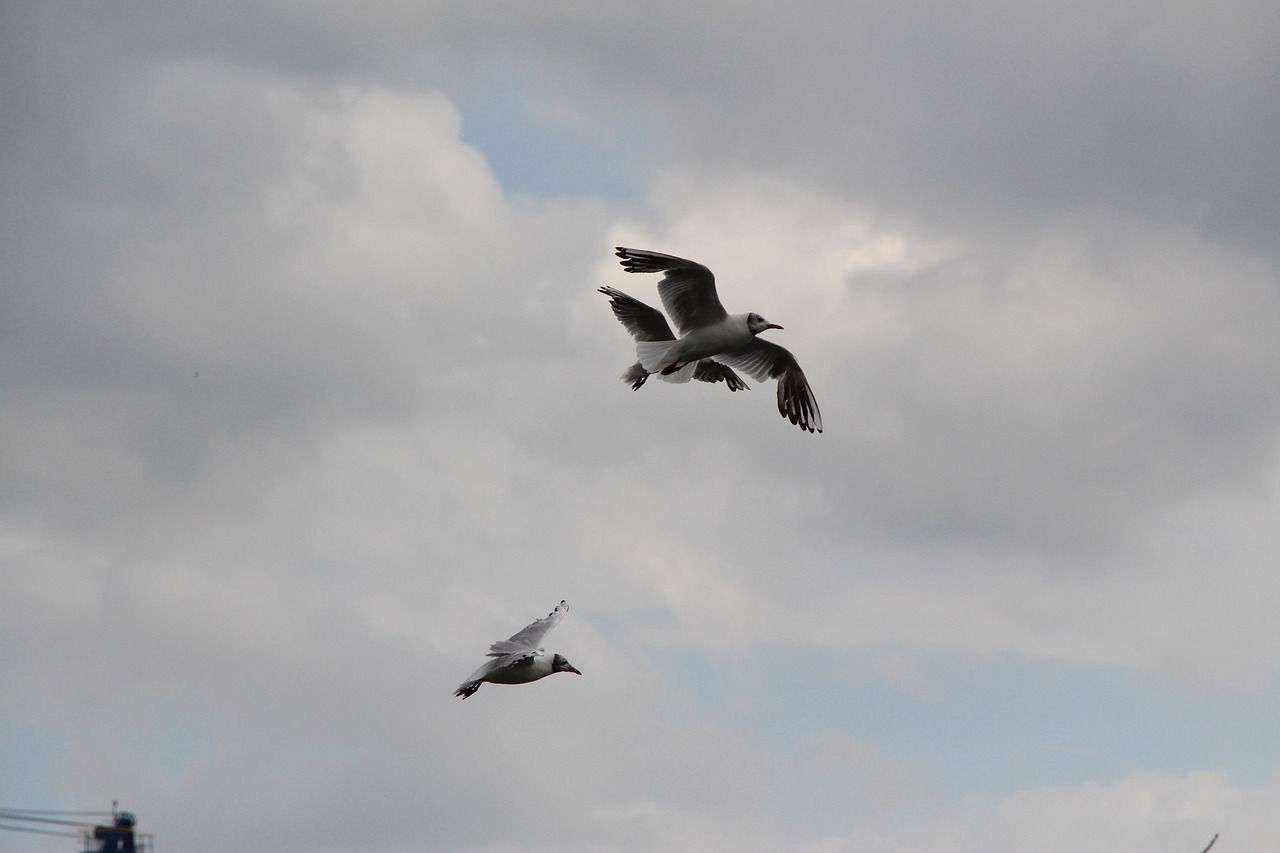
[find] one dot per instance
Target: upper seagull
(688, 292)
(520, 659)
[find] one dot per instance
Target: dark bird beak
(773, 326)
(571, 668)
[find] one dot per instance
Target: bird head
(559, 664)
(757, 324)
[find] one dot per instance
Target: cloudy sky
(307, 396)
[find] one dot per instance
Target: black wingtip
(801, 411)
(629, 261)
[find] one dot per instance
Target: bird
(647, 324)
(708, 332)
(520, 659)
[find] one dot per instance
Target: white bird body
(540, 665)
(520, 659)
(731, 333)
(712, 341)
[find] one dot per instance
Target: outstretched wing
(642, 321)
(763, 360)
(713, 371)
(528, 639)
(688, 290)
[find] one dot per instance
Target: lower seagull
(520, 659)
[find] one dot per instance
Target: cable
(6, 815)
(40, 831)
(56, 811)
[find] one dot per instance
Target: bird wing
(688, 290)
(481, 673)
(763, 360)
(643, 322)
(713, 371)
(528, 639)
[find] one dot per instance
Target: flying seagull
(648, 324)
(520, 659)
(688, 292)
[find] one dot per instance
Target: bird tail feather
(652, 354)
(635, 375)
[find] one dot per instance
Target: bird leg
(672, 368)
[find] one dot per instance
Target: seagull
(688, 292)
(648, 324)
(520, 660)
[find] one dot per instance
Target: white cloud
(1143, 813)
(304, 411)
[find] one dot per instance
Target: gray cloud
(988, 113)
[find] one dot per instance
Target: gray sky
(308, 396)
